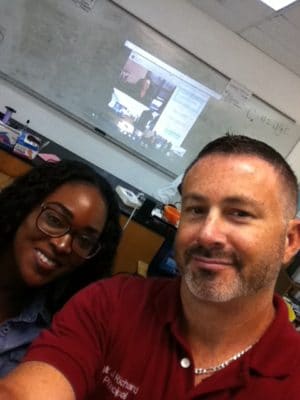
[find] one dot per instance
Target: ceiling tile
(236, 15)
(293, 15)
(274, 49)
(282, 31)
(277, 34)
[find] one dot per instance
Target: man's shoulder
(277, 354)
(131, 285)
(134, 281)
(122, 294)
(125, 287)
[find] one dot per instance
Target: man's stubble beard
(246, 280)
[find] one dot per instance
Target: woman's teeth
(44, 259)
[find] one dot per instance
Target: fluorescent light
(277, 4)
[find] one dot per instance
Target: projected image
(154, 105)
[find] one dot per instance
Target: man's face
(233, 234)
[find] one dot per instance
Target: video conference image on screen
(154, 106)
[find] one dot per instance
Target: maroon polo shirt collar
(263, 358)
(274, 354)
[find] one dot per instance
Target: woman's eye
(86, 242)
(54, 220)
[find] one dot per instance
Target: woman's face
(41, 259)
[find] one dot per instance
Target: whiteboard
(72, 60)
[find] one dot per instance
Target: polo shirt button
(185, 362)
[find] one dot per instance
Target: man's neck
(217, 331)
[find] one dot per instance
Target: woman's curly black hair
(28, 191)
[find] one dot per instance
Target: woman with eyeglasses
(59, 231)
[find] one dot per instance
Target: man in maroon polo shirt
(218, 332)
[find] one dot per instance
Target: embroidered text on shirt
(120, 387)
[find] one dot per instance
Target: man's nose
(63, 244)
(212, 231)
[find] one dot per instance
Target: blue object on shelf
(8, 114)
(8, 136)
(27, 145)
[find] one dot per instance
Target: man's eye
(240, 214)
(193, 210)
(198, 210)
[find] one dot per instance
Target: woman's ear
(292, 241)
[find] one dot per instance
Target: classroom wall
(189, 27)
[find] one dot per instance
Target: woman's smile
(45, 262)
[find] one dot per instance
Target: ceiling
(276, 33)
